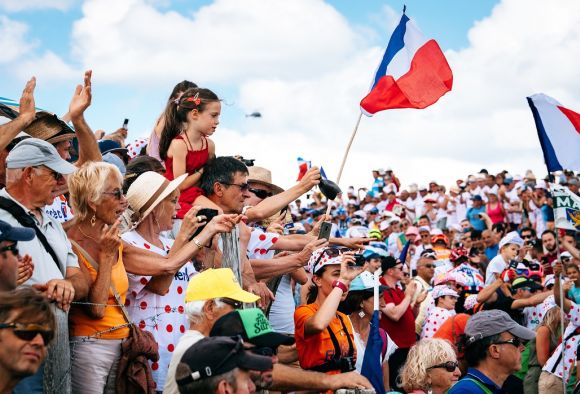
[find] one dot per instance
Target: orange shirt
(315, 350)
(82, 324)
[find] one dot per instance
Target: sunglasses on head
(27, 332)
(260, 193)
(449, 366)
(117, 193)
(10, 248)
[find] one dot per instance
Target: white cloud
(20, 5)
(13, 41)
(224, 42)
(47, 67)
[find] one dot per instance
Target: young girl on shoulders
(184, 145)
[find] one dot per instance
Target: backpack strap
(25, 220)
(483, 387)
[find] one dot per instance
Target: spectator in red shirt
(399, 313)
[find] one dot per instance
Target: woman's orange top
(81, 324)
(315, 350)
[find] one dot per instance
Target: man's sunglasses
(117, 193)
(517, 342)
(263, 194)
(10, 248)
(27, 332)
(56, 175)
(429, 266)
(233, 303)
(449, 366)
(244, 187)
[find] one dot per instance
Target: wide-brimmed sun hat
(147, 191)
(48, 127)
(263, 176)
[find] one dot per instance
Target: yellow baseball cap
(217, 283)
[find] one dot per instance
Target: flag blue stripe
(549, 153)
(371, 366)
(396, 43)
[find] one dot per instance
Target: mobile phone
(126, 124)
(359, 259)
(209, 215)
(325, 228)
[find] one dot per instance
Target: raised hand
(27, 107)
(348, 269)
(110, 239)
(191, 222)
(309, 248)
(82, 97)
(310, 179)
(25, 269)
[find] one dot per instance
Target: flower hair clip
(176, 101)
(195, 99)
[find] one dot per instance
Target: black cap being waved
(217, 355)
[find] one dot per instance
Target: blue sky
(325, 67)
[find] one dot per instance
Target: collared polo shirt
(45, 268)
(467, 385)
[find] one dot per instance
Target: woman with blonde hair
(548, 335)
(431, 367)
(97, 330)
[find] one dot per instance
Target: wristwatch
(340, 285)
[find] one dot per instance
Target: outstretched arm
(10, 130)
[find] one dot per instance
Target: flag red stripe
(573, 117)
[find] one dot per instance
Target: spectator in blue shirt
(474, 213)
(490, 241)
(494, 343)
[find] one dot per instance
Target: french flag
(559, 133)
(303, 167)
(413, 73)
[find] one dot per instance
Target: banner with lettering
(566, 208)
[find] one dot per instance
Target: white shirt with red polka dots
(435, 319)
(163, 316)
(260, 244)
(554, 363)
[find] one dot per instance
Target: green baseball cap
(253, 326)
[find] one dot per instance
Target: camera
(359, 259)
(247, 162)
(347, 364)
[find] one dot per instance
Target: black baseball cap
(388, 262)
(214, 356)
(11, 233)
(253, 326)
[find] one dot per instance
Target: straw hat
(50, 128)
(263, 176)
(148, 190)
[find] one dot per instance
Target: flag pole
(552, 180)
(329, 207)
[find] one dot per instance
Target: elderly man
(26, 328)
(10, 257)
(494, 343)
(34, 172)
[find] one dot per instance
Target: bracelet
(340, 285)
(197, 243)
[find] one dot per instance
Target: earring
(93, 221)
(361, 314)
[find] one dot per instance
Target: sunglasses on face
(517, 342)
(526, 236)
(27, 332)
(429, 266)
(57, 176)
(449, 366)
(10, 248)
(263, 194)
(244, 187)
(233, 303)
(117, 193)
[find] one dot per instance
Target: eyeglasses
(27, 332)
(260, 193)
(10, 248)
(449, 366)
(526, 236)
(56, 175)
(429, 266)
(233, 303)
(425, 235)
(517, 342)
(244, 187)
(117, 193)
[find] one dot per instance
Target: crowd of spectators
(156, 266)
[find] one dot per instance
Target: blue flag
(403, 255)
(371, 366)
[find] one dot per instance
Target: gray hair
(194, 309)
(13, 175)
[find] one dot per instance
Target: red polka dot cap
(323, 256)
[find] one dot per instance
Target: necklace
(86, 235)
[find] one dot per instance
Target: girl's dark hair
(313, 290)
(180, 88)
(353, 300)
(138, 166)
(176, 114)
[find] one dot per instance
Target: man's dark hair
(549, 232)
(476, 352)
(475, 235)
(31, 307)
(221, 169)
(531, 230)
(424, 217)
